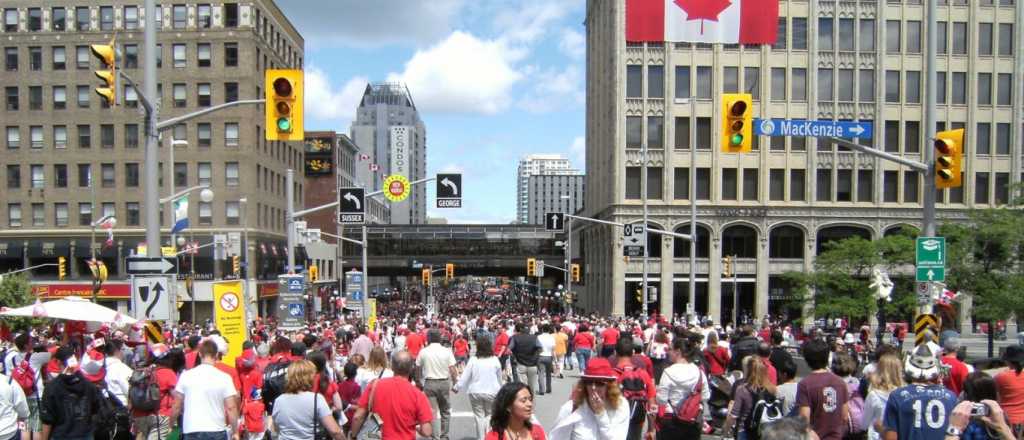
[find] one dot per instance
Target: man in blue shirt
(920, 410)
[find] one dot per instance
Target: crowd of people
(656, 378)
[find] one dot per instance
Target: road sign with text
(351, 206)
(449, 190)
(931, 259)
(634, 240)
(801, 127)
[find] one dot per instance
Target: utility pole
(691, 299)
(928, 222)
(151, 159)
(643, 198)
(289, 192)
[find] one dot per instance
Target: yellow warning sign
(396, 188)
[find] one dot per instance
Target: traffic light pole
(928, 222)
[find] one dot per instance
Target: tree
(15, 291)
(842, 275)
(984, 258)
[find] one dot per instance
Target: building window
(83, 96)
(60, 175)
(913, 36)
(913, 87)
(633, 183)
(983, 139)
(84, 175)
(180, 132)
(681, 184)
(11, 59)
(231, 176)
(844, 185)
(984, 88)
(107, 175)
(204, 134)
(180, 174)
(981, 189)
(131, 56)
(654, 183)
(131, 17)
(60, 136)
(107, 136)
(178, 52)
(776, 185)
(845, 91)
(750, 183)
(14, 215)
(13, 137)
(799, 86)
(204, 16)
(634, 81)
(778, 84)
(959, 38)
(60, 214)
(1004, 91)
(13, 176)
(132, 211)
(824, 185)
(655, 81)
(106, 18)
(846, 39)
(704, 82)
(35, 58)
(82, 57)
(35, 98)
(38, 176)
(58, 19)
(1005, 39)
(131, 135)
(12, 98)
(892, 36)
(655, 132)
(1002, 138)
(84, 136)
(38, 214)
(231, 15)
(60, 97)
(203, 54)
(1002, 194)
(205, 171)
(180, 95)
(682, 133)
(131, 175)
(230, 54)
(985, 33)
(179, 16)
(867, 35)
(731, 79)
(911, 185)
(825, 77)
(231, 134)
(205, 213)
(84, 214)
(683, 82)
(230, 92)
(107, 209)
(912, 142)
(232, 212)
(82, 18)
(729, 184)
(59, 58)
(780, 35)
(35, 133)
(825, 31)
(203, 92)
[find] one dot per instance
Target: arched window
(739, 240)
(681, 248)
(786, 241)
(907, 230)
(834, 233)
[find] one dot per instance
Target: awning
(82, 248)
(48, 248)
(14, 249)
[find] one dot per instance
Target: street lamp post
(243, 204)
(206, 195)
(568, 249)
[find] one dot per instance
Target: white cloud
(555, 89)
(528, 21)
(362, 23)
(325, 101)
(573, 44)
(578, 152)
(453, 168)
(462, 74)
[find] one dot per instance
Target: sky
(493, 81)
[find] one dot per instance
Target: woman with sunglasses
(597, 409)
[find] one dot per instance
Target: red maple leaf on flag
(703, 10)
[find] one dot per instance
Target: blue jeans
(216, 435)
(583, 355)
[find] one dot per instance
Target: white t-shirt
(204, 389)
(117, 378)
(547, 344)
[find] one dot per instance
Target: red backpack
(25, 376)
(689, 409)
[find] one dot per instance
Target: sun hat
(599, 369)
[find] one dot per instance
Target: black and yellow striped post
(925, 329)
(154, 331)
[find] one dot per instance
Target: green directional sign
(931, 259)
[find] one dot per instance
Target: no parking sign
(230, 317)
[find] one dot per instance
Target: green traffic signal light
(284, 124)
(736, 139)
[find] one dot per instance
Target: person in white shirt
(481, 380)
(13, 408)
(596, 410)
(678, 381)
(546, 361)
(207, 398)
(437, 366)
(118, 373)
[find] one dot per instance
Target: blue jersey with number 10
(919, 412)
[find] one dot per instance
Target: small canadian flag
(702, 21)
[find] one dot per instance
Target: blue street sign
(295, 285)
(800, 127)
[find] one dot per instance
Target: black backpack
(273, 382)
(766, 409)
(143, 391)
(113, 421)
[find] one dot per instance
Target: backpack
(113, 420)
(143, 391)
(767, 408)
(274, 382)
(24, 375)
(689, 410)
(856, 406)
(634, 389)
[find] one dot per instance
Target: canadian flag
(702, 21)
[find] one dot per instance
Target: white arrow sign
(450, 184)
(857, 129)
(161, 265)
(348, 196)
(931, 274)
(554, 221)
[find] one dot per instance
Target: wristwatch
(953, 431)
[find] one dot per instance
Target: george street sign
(351, 206)
(634, 240)
(931, 259)
(449, 190)
(801, 127)
(151, 265)
(554, 221)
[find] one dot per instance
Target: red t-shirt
(461, 347)
(349, 393)
(1010, 387)
(191, 359)
(718, 360)
(583, 340)
(231, 372)
(166, 380)
(500, 343)
(329, 393)
(399, 416)
(252, 411)
(610, 337)
(954, 381)
(536, 433)
(773, 375)
(414, 343)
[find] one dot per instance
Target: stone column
(809, 304)
(966, 309)
(715, 281)
(761, 283)
(667, 293)
(618, 280)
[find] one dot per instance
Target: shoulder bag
(372, 425)
(317, 434)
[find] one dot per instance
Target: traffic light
(236, 266)
(639, 296)
(449, 271)
(107, 55)
(61, 268)
(727, 266)
(949, 157)
(574, 270)
(426, 277)
(283, 105)
(531, 267)
(314, 273)
(737, 122)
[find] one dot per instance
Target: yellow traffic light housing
(639, 296)
(574, 270)
(737, 122)
(108, 56)
(949, 157)
(61, 268)
(727, 266)
(449, 271)
(236, 266)
(426, 277)
(314, 273)
(531, 267)
(283, 107)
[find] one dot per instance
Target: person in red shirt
(461, 349)
(609, 337)
(248, 374)
(718, 357)
(222, 349)
(639, 400)
(349, 392)
(252, 413)
(154, 425)
(954, 380)
(192, 354)
(414, 343)
(584, 344)
(501, 341)
(404, 418)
